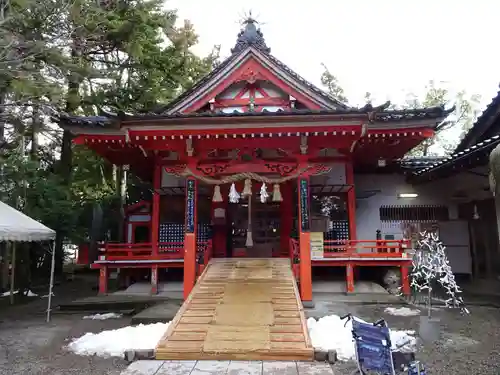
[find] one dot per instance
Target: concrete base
(341, 304)
(139, 355)
(308, 304)
(160, 313)
(360, 287)
(171, 289)
(329, 356)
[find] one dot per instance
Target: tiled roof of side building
(482, 125)
(473, 156)
(420, 162)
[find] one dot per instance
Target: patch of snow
(401, 311)
(329, 333)
(8, 293)
(113, 343)
(46, 295)
(29, 293)
(111, 315)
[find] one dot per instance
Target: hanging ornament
(217, 195)
(277, 193)
(476, 213)
(249, 242)
(247, 190)
(234, 197)
(263, 193)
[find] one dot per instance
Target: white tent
(17, 227)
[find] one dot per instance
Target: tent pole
(12, 272)
(51, 283)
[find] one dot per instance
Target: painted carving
(281, 169)
(250, 75)
(175, 169)
(320, 169)
(212, 169)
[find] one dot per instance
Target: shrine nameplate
(190, 205)
(304, 204)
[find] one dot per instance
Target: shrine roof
(372, 114)
(486, 125)
(248, 38)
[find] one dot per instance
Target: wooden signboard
(317, 245)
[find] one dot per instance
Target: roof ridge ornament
(250, 36)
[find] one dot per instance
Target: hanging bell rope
(217, 195)
(263, 193)
(234, 197)
(249, 241)
(277, 193)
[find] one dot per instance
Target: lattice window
(414, 213)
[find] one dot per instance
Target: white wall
(367, 210)
(436, 193)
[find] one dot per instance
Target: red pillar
(405, 281)
(190, 237)
(286, 219)
(349, 271)
(103, 280)
(155, 209)
(351, 200)
(154, 279)
(304, 241)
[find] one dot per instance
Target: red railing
(356, 248)
(364, 248)
(293, 248)
(144, 251)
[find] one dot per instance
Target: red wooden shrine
(251, 119)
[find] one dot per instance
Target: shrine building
(255, 161)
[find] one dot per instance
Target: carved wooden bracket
(319, 169)
(175, 169)
(282, 169)
(212, 169)
(189, 147)
(250, 75)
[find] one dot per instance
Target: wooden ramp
(240, 309)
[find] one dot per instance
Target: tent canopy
(16, 226)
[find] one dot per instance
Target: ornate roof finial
(250, 36)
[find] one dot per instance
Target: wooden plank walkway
(240, 309)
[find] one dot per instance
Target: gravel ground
(470, 344)
(33, 347)
(28, 345)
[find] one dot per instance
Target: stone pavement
(151, 367)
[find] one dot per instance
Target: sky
(385, 47)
